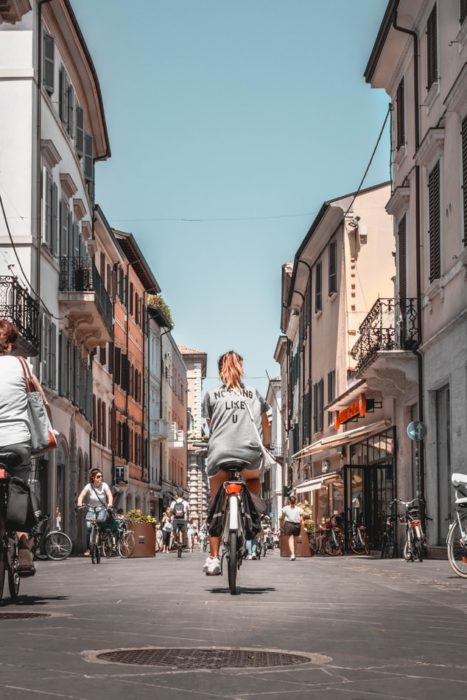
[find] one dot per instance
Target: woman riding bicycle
(98, 498)
(15, 430)
(232, 435)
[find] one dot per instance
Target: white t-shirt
(292, 515)
(94, 493)
(14, 420)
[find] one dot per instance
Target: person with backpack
(180, 510)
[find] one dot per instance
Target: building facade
(53, 131)
(343, 268)
(274, 481)
(420, 59)
(196, 363)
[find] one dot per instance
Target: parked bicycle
(457, 534)
(358, 539)
(8, 543)
(415, 543)
(388, 540)
(45, 544)
(116, 539)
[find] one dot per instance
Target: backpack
(179, 510)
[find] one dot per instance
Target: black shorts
(166, 537)
(17, 459)
(291, 528)
(178, 525)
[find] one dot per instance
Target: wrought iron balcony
(20, 308)
(391, 324)
(85, 299)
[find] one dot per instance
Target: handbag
(20, 513)
(104, 515)
(268, 458)
(42, 434)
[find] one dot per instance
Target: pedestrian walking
(167, 528)
(293, 519)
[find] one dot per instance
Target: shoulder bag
(268, 458)
(103, 516)
(42, 434)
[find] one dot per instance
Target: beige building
(196, 362)
(420, 59)
(339, 430)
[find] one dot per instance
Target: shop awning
(349, 436)
(316, 483)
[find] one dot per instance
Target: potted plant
(143, 528)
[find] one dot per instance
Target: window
(131, 299)
(402, 258)
(102, 354)
(318, 288)
(434, 215)
(48, 64)
(64, 216)
(400, 115)
(333, 267)
(50, 207)
(331, 392)
(318, 404)
(432, 49)
(88, 158)
(79, 131)
(464, 175)
(48, 353)
(63, 96)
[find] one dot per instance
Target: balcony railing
(79, 274)
(391, 324)
(18, 306)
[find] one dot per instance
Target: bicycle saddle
(233, 465)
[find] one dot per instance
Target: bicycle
(8, 543)
(233, 524)
(414, 536)
(95, 539)
(179, 529)
(388, 540)
(333, 539)
(358, 540)
(457, 533)
(54, 544)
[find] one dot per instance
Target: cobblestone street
(370, 628)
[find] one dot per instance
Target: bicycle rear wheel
(13, 575)
(456, 546)
(126, 545)
(387, 547)
(95, 545)
(233, 563)
(2, 570)
(58, 545)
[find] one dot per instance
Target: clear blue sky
(245, 115)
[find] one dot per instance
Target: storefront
(369, 483)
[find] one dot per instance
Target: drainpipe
(421, 412)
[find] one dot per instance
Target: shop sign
(357, 409)
(121, 476)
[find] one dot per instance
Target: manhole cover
(20, 615)
(209, 658)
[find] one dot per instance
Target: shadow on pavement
(32, 600)
(243, 589)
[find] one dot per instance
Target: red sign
(357, 409)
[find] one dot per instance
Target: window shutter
(71, 110)
(53, 356)
(333, 267)
(400, 115)
(110, 355)
(402, 258)
(318, 288)
(88, 158)
(77, 376)
(432, 49)
(45, 350)
(464, 174)
(79, 130)
(434, 214)
(76, 240)
(48, 209)
(63, 225)
(63, 96)
(48, 62)
(117, 366)
(54, 219)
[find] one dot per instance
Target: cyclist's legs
(251, 478)
(17, 461)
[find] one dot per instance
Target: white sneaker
(212, 567)
(292, 558)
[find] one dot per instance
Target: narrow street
(371, 628)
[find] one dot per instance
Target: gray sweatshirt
(232, 435)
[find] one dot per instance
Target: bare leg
(292, 545)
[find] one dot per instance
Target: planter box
(145, 539)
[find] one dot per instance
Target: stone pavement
(373, 629)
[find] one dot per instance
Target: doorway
(368, 491)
